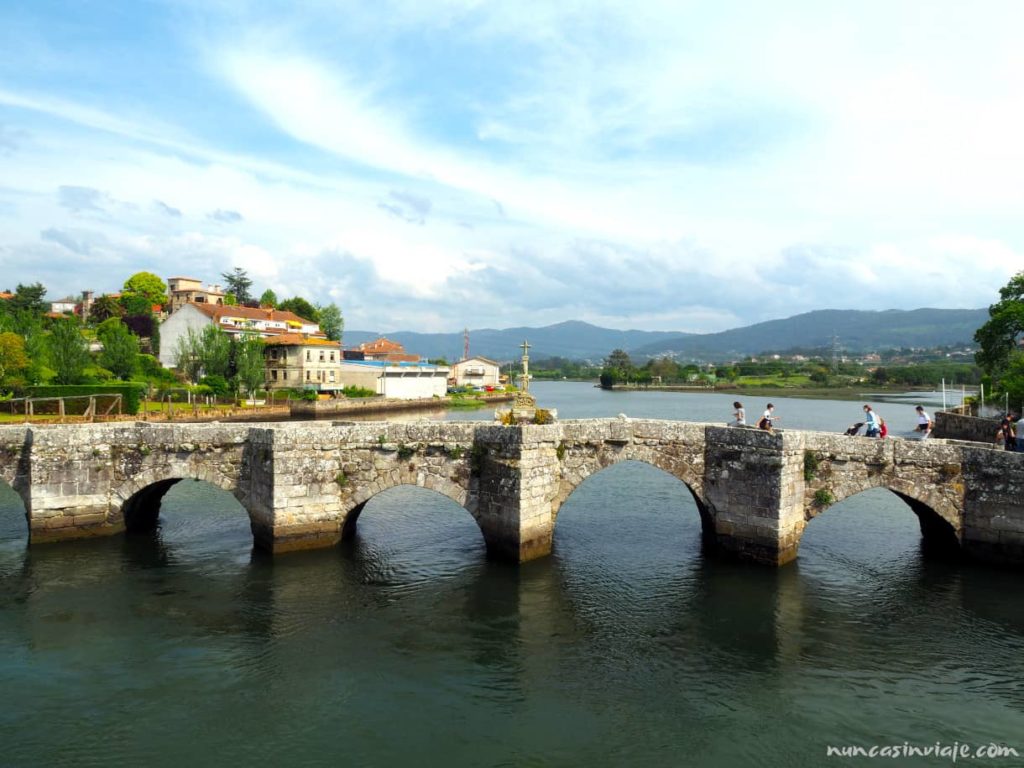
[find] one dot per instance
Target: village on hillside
(186, 339)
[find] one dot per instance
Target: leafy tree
(617, 368)
(998, 336)
(69, 354)
(238, 283)
(218, 385)
(230, 300)
(14, 362)
(136, 305)
(28, 298)
(436, 360)
(143, 326)
(104, 308)
(120, 349)
(250, 363)
(331, 321)
(268, 299)
(214, 351)
(302, 308)
(148, 285)
(188, 356)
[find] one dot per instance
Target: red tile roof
(381, 346)
(217, 311)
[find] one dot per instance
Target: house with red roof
(233, 320)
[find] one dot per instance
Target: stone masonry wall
(955, 426)
(323, 474)
(80, 485)
(305, 484)
(749, 490)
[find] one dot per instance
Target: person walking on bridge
(924, 422)
(1005, 434)
(767, 421)
(872, 422)
(739, 416)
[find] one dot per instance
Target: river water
(628, 646)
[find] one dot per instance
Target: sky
(434, 164)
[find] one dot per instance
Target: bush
(151, 369)
(354, 391)
(130, 393)
(216, 385)
(543, 416)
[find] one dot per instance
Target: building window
(331, 374)
(332, 357)
(309, 356)
(321, 356)
(273, 354)
(307, 375)
(273, 374)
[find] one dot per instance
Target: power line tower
(465, 344)
(835, 352)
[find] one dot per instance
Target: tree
(998, 336)
(331, 321)
(617, 368)
(300, 307)
(148, 285)
(268, 299)
(250, 363)
(120, 353)
(214, 351)
(28, 298)
(136, 305)
(104, 308)
(188, 355)
(69, 354)
(238, 283)
(230, 300)
(14, 362)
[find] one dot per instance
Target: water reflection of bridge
(304, 485)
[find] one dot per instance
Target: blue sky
(431, 165)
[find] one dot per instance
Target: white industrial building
(404, 381)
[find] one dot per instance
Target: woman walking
(739, 416)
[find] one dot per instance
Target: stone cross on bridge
(305, 484)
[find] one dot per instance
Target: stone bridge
(305, 484)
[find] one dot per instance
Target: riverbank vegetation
(809, 374)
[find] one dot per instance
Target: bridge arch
(940, 521)
(574, 474)
(136, 502)
(406, 475)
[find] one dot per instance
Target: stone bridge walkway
(305, 484)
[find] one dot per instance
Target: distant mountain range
(573, 339)
(857, 331)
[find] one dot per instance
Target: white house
(406, 381)
(232, 320)
(477, 372)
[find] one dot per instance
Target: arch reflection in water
(189, 520)
(407, 535)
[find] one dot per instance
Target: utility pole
(465, 344)
(835, 352)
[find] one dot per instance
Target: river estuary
(405, 646)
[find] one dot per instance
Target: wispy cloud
(681, 166)
(225, 216)
(167, 209)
